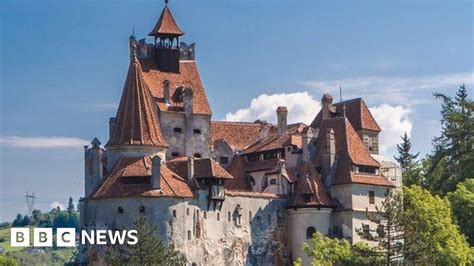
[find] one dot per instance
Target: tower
(166, 48)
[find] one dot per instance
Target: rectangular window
(196, 131)
(224, 160)
(189, 235)
(142, 209)
(366, 229)
(175, 154)
(218, 216)
(250, 217)
(177, 130)
(187, 211)
(205, 215)
(120, 209)
(371, 197)
(228, 216)
(174, 213)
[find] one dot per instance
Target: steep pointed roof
(166, 25)
(309, 189)
(137, 122)
(356, 112)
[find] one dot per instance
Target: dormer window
(177, 130)
(363, 169)
(175, 154)
(196, 131)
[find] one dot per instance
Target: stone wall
(245, 231)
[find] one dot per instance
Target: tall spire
(137, 122)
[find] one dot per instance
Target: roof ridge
(236, 122)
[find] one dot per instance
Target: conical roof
(137, 122)
(166, 25)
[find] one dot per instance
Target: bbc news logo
(66, 237)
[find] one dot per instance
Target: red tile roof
(137, 122)
(358, 114)
(237, 134)
(115, 185)
(166, 25)
(349, 150)
(309, 183)
(203, 168)
(356, 111)
(237, 170)
(271, 142)
(188, 75)
(251, 194)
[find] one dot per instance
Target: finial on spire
(133, 47)
(166, 2)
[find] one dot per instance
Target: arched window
(310, 231)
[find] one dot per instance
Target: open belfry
(227, 193)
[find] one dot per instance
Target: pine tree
(411, 172)
(149, 250)
(70, 206)
(389, 221)
(453, 153)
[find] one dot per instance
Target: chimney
(156, 172)
(327, 105)
(307, 136)
(282, 114)
(188, 112)
(190, 168)
(112, 123)
(94, 166)
(166, 91)
(328, 157)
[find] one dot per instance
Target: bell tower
(166, 47)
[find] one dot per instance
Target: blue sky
(63, 64)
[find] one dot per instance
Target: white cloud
(56, 204)
(302, 107)
(391, 89)
(42, 142)
(394, 121)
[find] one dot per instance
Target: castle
(227, 193)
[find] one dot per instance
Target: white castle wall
(298, 222)
(259, 238)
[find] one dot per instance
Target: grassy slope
(51, 257)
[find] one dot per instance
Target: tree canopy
(430, 235)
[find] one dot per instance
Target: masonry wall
(177, 141)
(299, 220)
(257, 237)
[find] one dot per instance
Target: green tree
(362, 254)
(139, 254)
(327, 251)
(462, 202)
(389, 220)
(453, 153)
(430, 237)
(70, 206)
(18, 220)
(411, 171)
